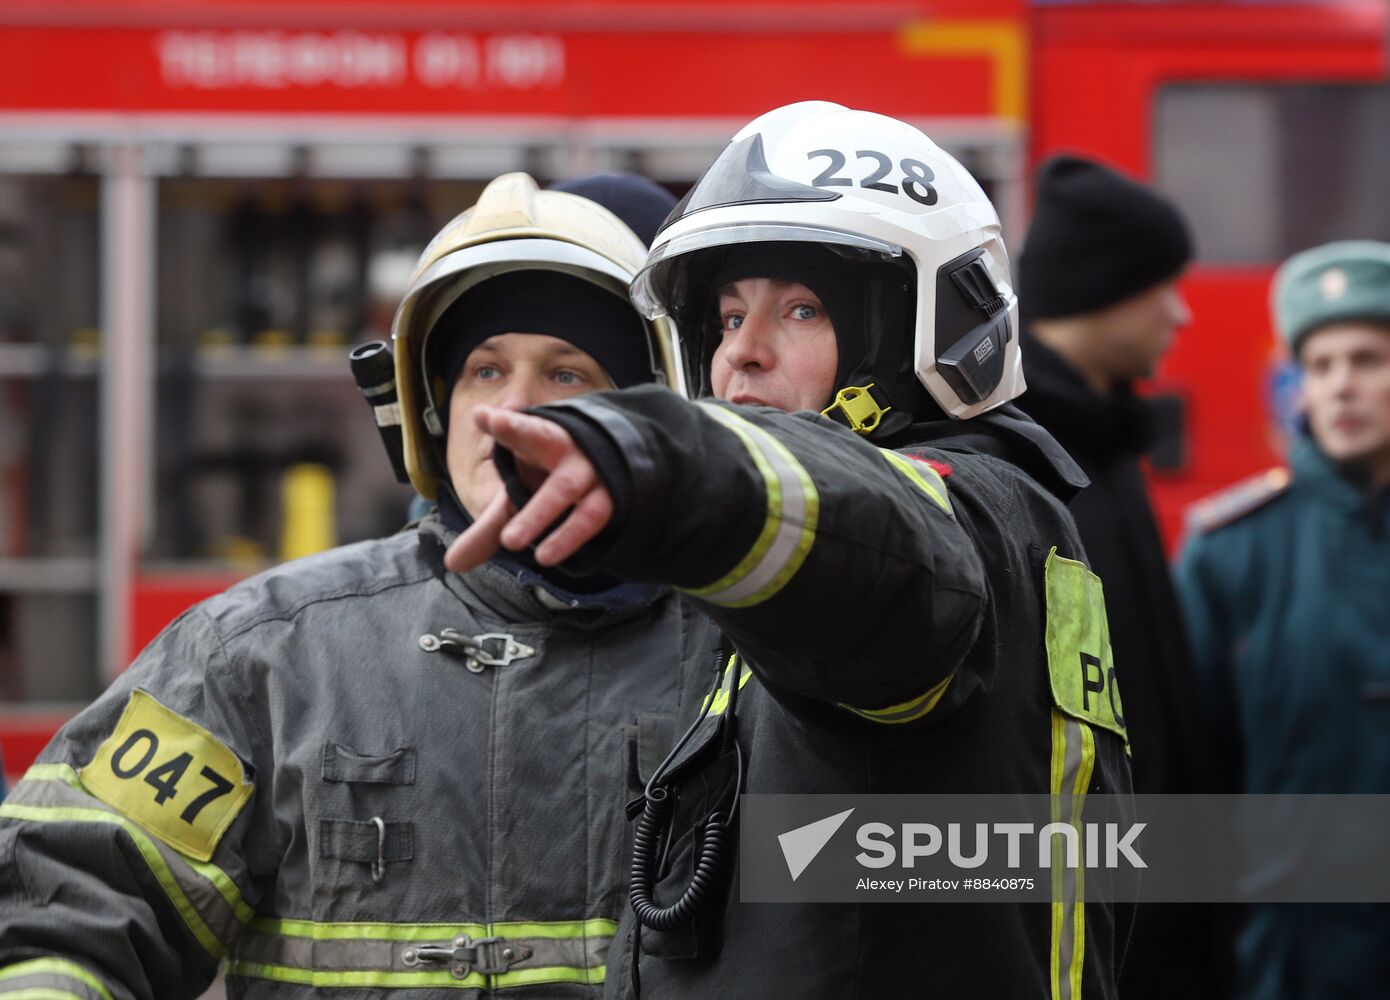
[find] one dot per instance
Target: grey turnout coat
(355, 771)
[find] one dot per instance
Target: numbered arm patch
(170, 775)
(1079, 660)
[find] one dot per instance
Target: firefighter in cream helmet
(419, 774)
(562, 252)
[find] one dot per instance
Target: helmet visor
(653, 290)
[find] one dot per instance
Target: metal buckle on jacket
(488, 956)
(856, 408)
(491, 649)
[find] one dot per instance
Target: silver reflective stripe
(790, 528)
(51, 977)
(928, 480)
(54, 799)
(908, 711)
(263, 946)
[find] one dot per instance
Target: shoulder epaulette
(1235, 502)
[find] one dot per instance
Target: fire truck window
(1266, 170)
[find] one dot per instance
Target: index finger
(564, 487)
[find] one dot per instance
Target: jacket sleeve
(838, 569)
(124, 869)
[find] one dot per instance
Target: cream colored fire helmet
(515, 226)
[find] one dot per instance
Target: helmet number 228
(917, 176)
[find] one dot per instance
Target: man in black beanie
(1100, 303)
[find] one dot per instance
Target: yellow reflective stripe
(534, 977)
(793, 510)
(157, 865)
(597, 927)
(55, 967)
(220, 880)
(1059, 750)
(908, 711)
(1072, 765)
(54, 772)
(311, 977)
(354, 931)
(40, 993)
(927, 479)
(362, 931)
(264, 960)
(720, 694)
(1083, 782)
(415, 980)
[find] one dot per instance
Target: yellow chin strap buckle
(855, 407)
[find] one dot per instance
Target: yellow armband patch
(1079, 660)
(170, 775)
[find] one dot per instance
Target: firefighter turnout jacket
(914, 621)
(352, 775)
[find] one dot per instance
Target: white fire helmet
(514, 227)
(936, 308)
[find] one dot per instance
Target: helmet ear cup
(972, 327)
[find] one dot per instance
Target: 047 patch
(170, 775)
(1079, 659)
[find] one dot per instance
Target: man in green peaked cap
(1283, 581)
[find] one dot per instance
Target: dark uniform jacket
(352, 775)
(893, 618)
(1177, 949)
(1286, 586)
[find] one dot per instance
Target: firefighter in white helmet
(359, 772)
(877, 530)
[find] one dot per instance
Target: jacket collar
(1344, 486)
(1008, 433)
(1103, 427)
(511, 592)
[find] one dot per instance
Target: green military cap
(1333, 283)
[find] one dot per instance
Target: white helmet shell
(869, 185)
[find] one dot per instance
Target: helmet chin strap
(861, 408)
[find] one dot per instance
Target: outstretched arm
(839, 569)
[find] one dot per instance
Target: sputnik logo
(800, 846)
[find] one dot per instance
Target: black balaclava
(598, 322)
(871, 303)
(552, 303)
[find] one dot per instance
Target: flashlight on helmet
(374, 368)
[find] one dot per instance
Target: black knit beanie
(1097, 238)
(643, 204)
(836, 281)
(598, 322)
